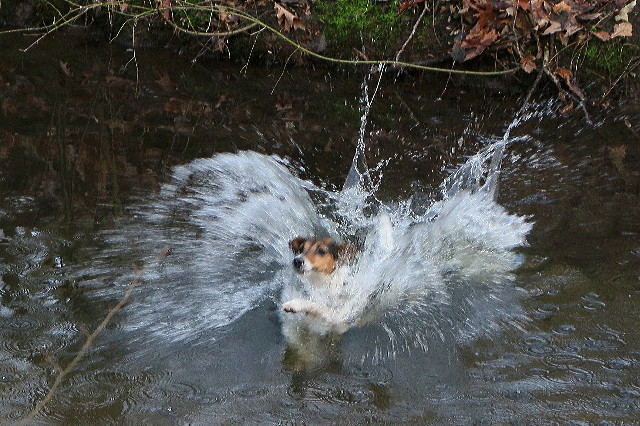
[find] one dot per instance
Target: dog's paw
(293, 306)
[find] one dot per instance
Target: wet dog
(322, 264)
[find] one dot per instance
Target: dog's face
(316, 255)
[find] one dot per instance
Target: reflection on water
(202, 339)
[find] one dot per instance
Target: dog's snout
(298, 262)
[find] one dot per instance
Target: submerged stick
(63, 373)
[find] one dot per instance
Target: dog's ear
(346, 252)
(296, 244)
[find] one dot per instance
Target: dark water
(87, 136)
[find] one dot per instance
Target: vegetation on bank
(570, 42)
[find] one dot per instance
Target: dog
(322, 264)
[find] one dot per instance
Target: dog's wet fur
(317, 255)
(321, 262)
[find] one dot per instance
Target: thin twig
(128, 9)
(530, 92)
(626, 71)
(87, 344)
(413, 31)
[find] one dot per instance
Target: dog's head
(318, 255)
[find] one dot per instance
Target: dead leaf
(165, 8)
(120, 82)
(406, 4)
(567, 108)
(165, 83)
(563, 6)
(568, 79)
(589, 16)
(622, 29)
(617, 155)
(524, 4)
(65, 69)
(362, 55)
(220, 101)
(228, 19)
(528, 63)
(602, 35)
(287, 19)
(553, 28)
(623, 15)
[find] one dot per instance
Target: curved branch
(87, 344)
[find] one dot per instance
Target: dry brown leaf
(602, 35)
(563, 6)
(568, 79)
(287, 19)
(564, 73)
(622, 29)
(567, 108)
(116, 81)
(623, 15)
(553, 28)
(165, 83)
(65, 68)
(617, 155)
(165, 6)
(528, 63)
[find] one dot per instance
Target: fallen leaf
(65, 68)
(589, 16)
(617, 155)
(406, 4)
(623, 15)
(568, 79)
(622, 29)
(524, 4)
(563, 6)
(116, 81)
(528, 63)
(220, 101)
(567, 108)
(553, 28)
(602, 35)
(165, 8)
(165, 83)
(287, 19)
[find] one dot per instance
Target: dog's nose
(298, 262)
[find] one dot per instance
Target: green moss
(351, 22)
(195, 19)
(609, 57)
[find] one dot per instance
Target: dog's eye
(321, 251)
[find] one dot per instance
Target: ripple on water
(28, 334)
(20, 386)
(619, 364)
(358, 387)
(546, 310)
(164, 389)
(591, 302)
(108, 394)
(21, 324)
(565, 329)
(570, 368)
(538, 344)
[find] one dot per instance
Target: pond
(107, 158)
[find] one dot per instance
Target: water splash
(359, 176)
(431, 271)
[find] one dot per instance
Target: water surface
(88, 166)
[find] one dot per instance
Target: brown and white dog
(322, 263)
